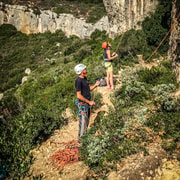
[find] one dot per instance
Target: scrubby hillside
(90, 10)
(37, 88)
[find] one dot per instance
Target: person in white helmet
(83, 100)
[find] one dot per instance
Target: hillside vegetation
(90, 10)
(144, 107)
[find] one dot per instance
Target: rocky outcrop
(127, 14)
(121, 15)
(174, 43)
(27, 22)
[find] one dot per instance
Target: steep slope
(155, 165)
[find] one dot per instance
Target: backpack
(102, 82)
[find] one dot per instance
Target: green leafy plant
(157, 75)
(163, 99)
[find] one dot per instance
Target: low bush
(157, 25)
(158, 75)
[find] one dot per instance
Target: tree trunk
(174, 43)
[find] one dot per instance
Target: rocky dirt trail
(154, 166)
(42, 164)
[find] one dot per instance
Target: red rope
(67, 156)
(164, 37)
(119, 42)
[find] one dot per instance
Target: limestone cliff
(127, 14)
(27, 22)
(121, 15)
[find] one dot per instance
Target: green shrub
(166, 122)
(157, 75)
(9, 104)
(7, 30)
(97, 34)
(79, 56)
(59, 9)
(157, 25)
(163, 99)
(15, 148)
(94, 148)
(72, 49)
(96, 13)
(130, 46)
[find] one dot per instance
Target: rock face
(121, 15)
(127, 14)
(27, 22)
(174, 43)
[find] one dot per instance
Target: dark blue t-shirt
(81, 84)
(106, 56)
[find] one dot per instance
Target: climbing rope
(95, 91)
(119, 42)
(67, 156)
(119, 45)
(163, 38)
(171, 28)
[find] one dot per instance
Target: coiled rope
(67, 156)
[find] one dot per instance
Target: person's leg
(108, 79)
(107, 66)
(111, 79)
(83, 124)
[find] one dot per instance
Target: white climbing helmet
(79, 68)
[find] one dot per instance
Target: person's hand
(97, 83)
(113, 54)
(91, 103)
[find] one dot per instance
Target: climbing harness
(83, 108)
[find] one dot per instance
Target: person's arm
(82, 98)
(109, 55)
